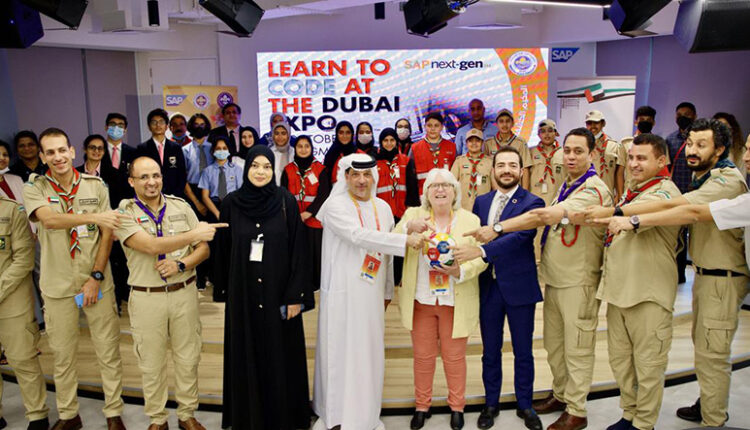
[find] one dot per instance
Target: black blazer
(174, 170)
(118, 184)
(222, 131)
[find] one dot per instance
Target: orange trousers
(433, 325)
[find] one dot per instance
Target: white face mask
(364, 139)
(403, 132)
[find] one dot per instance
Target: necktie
(231, 137)
(222, 183)
(161, 152)
(503, 201)
(115, 157)
(203, 162)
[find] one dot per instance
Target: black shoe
(623, 424)
(457, 420)
(3, 423)
(42, 424)
(487, 417)
(530, 418)
(418, 419)
(691, 413)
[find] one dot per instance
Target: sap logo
(562, 55)
(175, 100)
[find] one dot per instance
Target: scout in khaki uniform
(75, 223)
(19, 331)
(609, 159)
(163, 243)
(473, 170)
(640, 302)
(721, 275)
(547, 171)
(505, 136)
(570, 270)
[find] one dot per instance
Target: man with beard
(570, 269)
(479, 122)
(509, 287)
(722, 273)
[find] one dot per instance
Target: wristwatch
(180, 266)
(97, 275)
(564, 221)
(498, 228)
(636, 222)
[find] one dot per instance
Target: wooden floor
(398, 389)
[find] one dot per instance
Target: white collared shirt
(496, 201)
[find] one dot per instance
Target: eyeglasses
(95, 148)
(440, 185)
(158, 122)
(144, 178)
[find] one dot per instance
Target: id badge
(312, 178)
(256, 249)
(439, 283)
(370, 267)
(398, 173)
(544, 188)
(83, 231)
(479, 180)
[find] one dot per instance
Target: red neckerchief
(474, 164)
(68, 198)
(547, 161)
(603, 168)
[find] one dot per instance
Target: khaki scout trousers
(20, 336)
(716, 304)
(639, 339)
(62, 320)
(570, 320)
(160, 320)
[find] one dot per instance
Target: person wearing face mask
(609, 160)
(403, 132)
(264, 263)
(308, 182)
(178, 128)
(267, 138)
(341, 147)
(218, 179)
(198, 156)
(645, 118)
(231, 114)
(282, 149)
(11, 186)
(364, 139)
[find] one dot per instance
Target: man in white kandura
(355, 288)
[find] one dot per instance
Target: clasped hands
(604, 216)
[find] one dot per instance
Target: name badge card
(370, 267)
(256, 249)
(312, 178)
(439, 283)
(544, 188)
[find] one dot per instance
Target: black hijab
(382, 153)
(258, 202)
(337, 148)
(304, 163)
(366, 148)
(242, 152)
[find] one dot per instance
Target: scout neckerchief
(156, 219)
(603, 168)
(68, 199)
(565, 192)
(500, 139)
(302, 177)
(697, 182)
(393, 171)
(435, 154)
(548, 161)
(474, 165)
(630, 195)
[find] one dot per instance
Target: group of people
(278, 225)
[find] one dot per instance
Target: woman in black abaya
(265, 367)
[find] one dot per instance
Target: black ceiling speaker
(632, 17)
(20, 26)
(68, 12)
(242, 16)
(424, 17)
(713, 25)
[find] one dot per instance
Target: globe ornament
(436, 249)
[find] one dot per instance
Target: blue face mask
(115, 132)
(221, 154)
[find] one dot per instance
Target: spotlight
(153, 13)
(632, 17)
(424, 17)
(68, 12)
(242, 16)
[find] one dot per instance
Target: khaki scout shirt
(492, 144)
(710, 247)
(462, 171)
(641, 267)
(546, 186)
(580, 263)
(16, 260)
(60, 275)
(613, 157)
(178, 218)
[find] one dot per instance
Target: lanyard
(157, 220)
(548, 161)
(450, 224)
(359, 212)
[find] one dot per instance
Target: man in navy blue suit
(167, 153)
(509, 287)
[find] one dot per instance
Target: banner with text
(318, 89)
(205, 99)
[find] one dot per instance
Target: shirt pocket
(5, 240)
